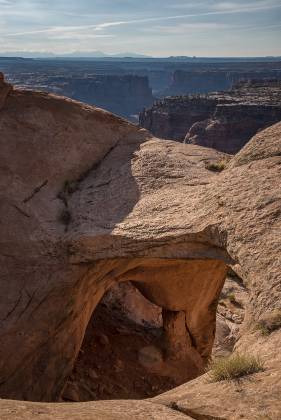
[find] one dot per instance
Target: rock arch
(87, 200)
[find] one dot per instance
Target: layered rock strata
(204, 81)
(124, 95)
(232, 117)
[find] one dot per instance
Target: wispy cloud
(105, 25)
(190, 27)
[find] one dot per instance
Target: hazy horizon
(204, 28)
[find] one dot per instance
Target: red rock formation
(172, 117)
(88, 201)
(224, 121)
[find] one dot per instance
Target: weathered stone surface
(110, 410)
(172, 117)
(225, 121)
(88, 200)
(254, 397)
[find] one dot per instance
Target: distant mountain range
(75, 54)
(99, 55)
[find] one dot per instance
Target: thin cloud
(105, 25)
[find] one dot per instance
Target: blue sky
(153, 27)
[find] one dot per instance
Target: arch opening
(153, 329)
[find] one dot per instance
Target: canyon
(214, 80)
(225, 121)
(125, 86)
(100, 221)
(125, 95)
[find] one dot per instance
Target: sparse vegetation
(269, 323)
(234, 367)
(70, 187)
(231, 297)
(216, 166)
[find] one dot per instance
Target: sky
(157, 28)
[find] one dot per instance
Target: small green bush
(269, 323)
(216, 166)
(231, 297)
(234, 367)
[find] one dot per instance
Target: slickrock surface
(110, 410)
(87, 201)
(233, 117)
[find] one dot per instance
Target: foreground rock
(122, 410)
(225, 121)
(88, 200)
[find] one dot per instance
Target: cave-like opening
(152, 330)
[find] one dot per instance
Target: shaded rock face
(190, 82)
(133, 350)
(171, 118)
(128, 300)
(124, 95)
(224, 121)
(86, 204)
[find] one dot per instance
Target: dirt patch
(111, 362)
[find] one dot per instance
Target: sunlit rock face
(224, 121)
(89, 201)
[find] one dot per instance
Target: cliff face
(124, 95)
(248, 108)
(171, 118)
(190, 82)
(224, 121)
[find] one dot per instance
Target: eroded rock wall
(225, 121)
(171, 118)
(86, 203)
(191, 82)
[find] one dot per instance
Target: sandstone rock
(172, 117)
(71, 392)
(93, 374)
(130, 302)
(150, 356)
(142, 210)
(225, 121)
(110, 410)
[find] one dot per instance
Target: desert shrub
(269, 323)
(70, 187)
(216, 166)
(231, 297)
(234, 367)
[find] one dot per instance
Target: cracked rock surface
(88, 201)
